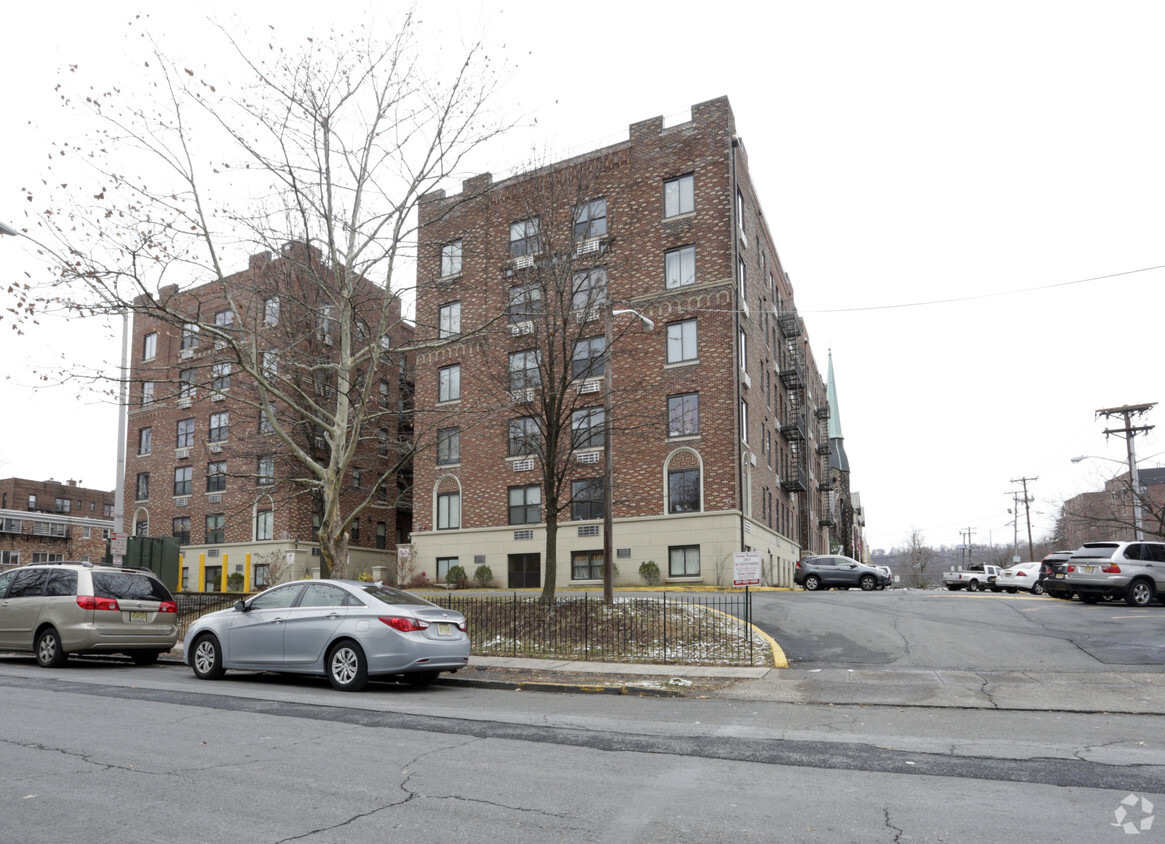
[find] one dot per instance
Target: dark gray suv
(828, 570)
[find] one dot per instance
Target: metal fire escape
(793, 427)
(825, 480)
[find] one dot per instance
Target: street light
(7, 229)
(1134, 478)
(608, 455)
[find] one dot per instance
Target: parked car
(1052, 571)
(57, 609)
(1025, 576)
(828, 570)
(344, 630)
(1134, 571)
(889, 576)
(976, 577)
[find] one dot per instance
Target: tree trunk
(550, 567)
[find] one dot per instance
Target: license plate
(137, 616)
(1059, 575)
(444, 629)
(1088, 569)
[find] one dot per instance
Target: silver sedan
(345, 630)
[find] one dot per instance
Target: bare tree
(328, 144)
(919, 557)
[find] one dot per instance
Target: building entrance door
(525, 571)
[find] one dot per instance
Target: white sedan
(1025, 576)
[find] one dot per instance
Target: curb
(575, 688)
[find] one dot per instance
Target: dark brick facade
(42, 520)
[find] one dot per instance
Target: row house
(50, 521)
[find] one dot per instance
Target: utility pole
(1015, 524)
(1027, 508)
(1129, 432)
(966, 537)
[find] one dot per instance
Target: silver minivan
(1134, 571)
(57, 609)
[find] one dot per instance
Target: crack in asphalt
(817, 754)
(897, 832)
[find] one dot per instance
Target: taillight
(403, 623)
(89, 602)
(1112, 568)
(463, 626)
(1021, 574)
(168, 606)
(1071, 568)
(798, 564)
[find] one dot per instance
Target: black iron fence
(705, 629)
(192, 605)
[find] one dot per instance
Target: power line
(983, 295)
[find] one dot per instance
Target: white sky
(903, 152)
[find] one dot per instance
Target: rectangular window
(264, 520)
(448, 446)
(265, 470)
(181, 530)
(150, 346)
(679, 266)
(449, 511)
(271, 310)
(219, 426)
(589, 289)
(147, 393)
(524, 438)
(215, 528)
(743, 350)
(382, 442)
(525, 238)
(590, 220)
(743, 421)
(216, 476)
(524, 370)
(683, 561)
(265, 426)
(143, 487)
(586, 428)
(185, 438)
(187, 381)
(449, 320)
(269, 364)
(443, 566)
(683, 491)
(586, 499)
(220, 377)
(382, 387)
(189, 335)
(740, 210)
(679, 196)
(740, 283)
(449, 383)
(326, 324)
(145, 440)
(224, 319)
(451, 259)
(524, 304)
(381, 536)
(589, 360)
(354, 533)
(63, 505)
(32, 498)
(683, 415)
(681, 341)
(525, 505)
(183, 480)
(586, 565)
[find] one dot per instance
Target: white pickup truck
(973, 579)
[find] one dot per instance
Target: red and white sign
(746, 568)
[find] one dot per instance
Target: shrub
(235, 582)
(456, 577)
(420, 580)
(364, 576)
(483, 576)
(649, 571)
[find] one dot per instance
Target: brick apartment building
(720, 418)
(202, 463)
(1108, 515)
(42, 521)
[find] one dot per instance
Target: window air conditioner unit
(181, 453)
(184, 401)
(589, 387)
(520, 535)
(746, 378)
(181, 502)
(186, 354)
(521, 396)
(523, 465)
(214, 499)
(524, 261)
(588, 530)
(587, 246)
(215, 447)
(587, 457)
(744, 308)
(217, 396)
(219, 345)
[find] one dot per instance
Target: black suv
(1052, 569)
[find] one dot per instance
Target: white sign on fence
(746, 568)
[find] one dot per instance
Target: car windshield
(1101, 551)
(109, 584)
(388, 595)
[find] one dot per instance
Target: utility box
(159, 554)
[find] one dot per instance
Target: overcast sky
(969, 199)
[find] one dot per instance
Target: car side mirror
(240, 606)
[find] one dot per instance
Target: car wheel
(1089, 597)
(812, 583)
(49, 653)
(144, 657)
(421, 679)
(868, 582)
(1139, 594)
(1038, 589)
(347, 667)
(207, 659)
(973, 586)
